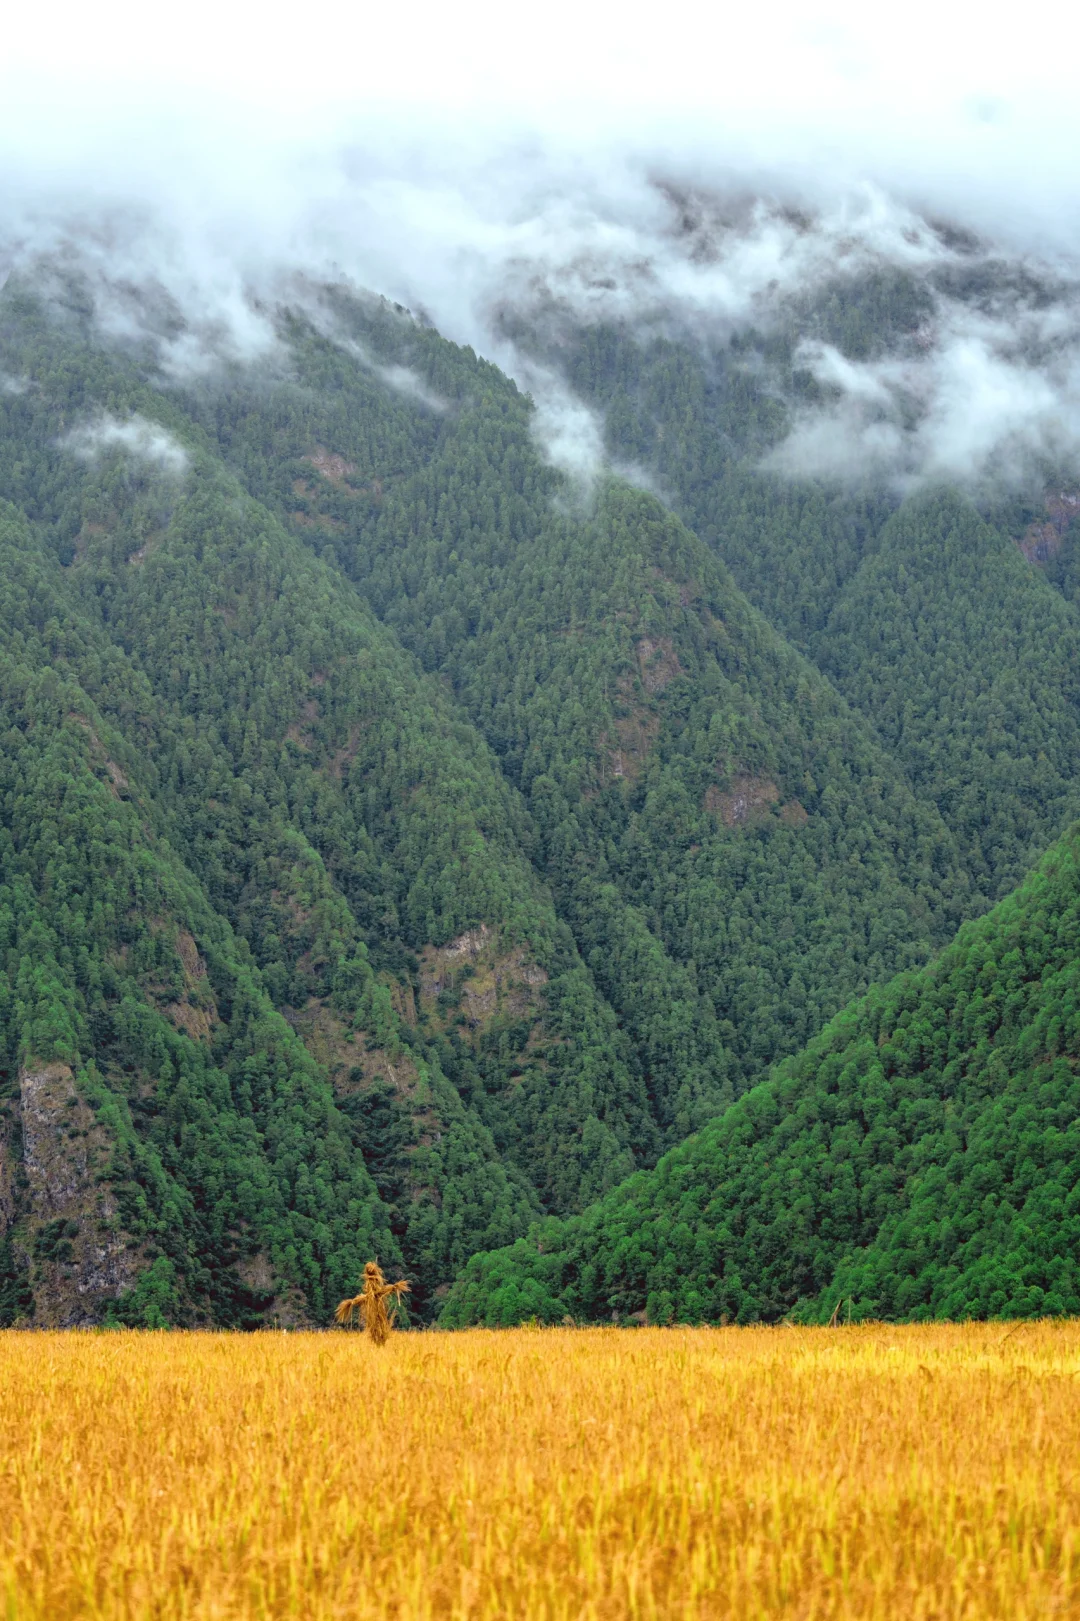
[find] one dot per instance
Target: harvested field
(870, 1471)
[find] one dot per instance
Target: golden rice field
(872, 1471)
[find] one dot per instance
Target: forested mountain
(323, 796)
(403, 846)
(919, 1159)
(930, 620)
(968, 663)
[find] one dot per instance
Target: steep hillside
(169, 1140)
(699, 415)
(968, 664)
(921, 1158)
(405, 845)
(944, 633)
(735, 854)
(340, 823)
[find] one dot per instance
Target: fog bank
(663, 173)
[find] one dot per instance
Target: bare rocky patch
(1043, 539)
(658, 662)
(356, 1065)
(749, 799)
(195, 1011)
(347, 1054)
(475, 982)
(317, 520)
(343, 757)
(288, 1308)
(141, 553)
(625, 748)
(332, 467)
(794, 814)
(79, 1258)
(114, 774)
(300, 732)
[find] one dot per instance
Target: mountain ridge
(919, 1159)
(423, 844)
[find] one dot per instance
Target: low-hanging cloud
(299, 294)
(980, 401)
(651, 256)
(628, 180)
(403, 380)
(136, 436)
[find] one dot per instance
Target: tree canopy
(401, 847)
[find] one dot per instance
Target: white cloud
(981, 400)
(990, 416)
(403, 380)
(569, 433)
(137, 437)
(590, 161)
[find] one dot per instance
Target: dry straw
(369, 1306)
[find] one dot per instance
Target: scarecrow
(370, 1304)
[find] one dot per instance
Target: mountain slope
(921, 1158)
(928, 619)
(968, 664)
(178, 1145)
(700, 416)
(339, 818)
(690, 777)
(532, 843)
(712, 821)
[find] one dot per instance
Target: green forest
(917, 1160)
(555, 893)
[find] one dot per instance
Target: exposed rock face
(8, 1134)
(51, 1111)
(79, 1258)
(334, 468)
(752, 799)
(748, 799)
(195, 1012)
(635, 726)
(635, 734)
(344, 1052)
(499, 983)
(288, 1308)
(1043, 540)
(658, 662)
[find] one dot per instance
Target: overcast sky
(976, 102)
(452, 155)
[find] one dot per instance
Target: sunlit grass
(871, 1471)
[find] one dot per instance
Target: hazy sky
(953, 97)
(451, 155)
(384, 138)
